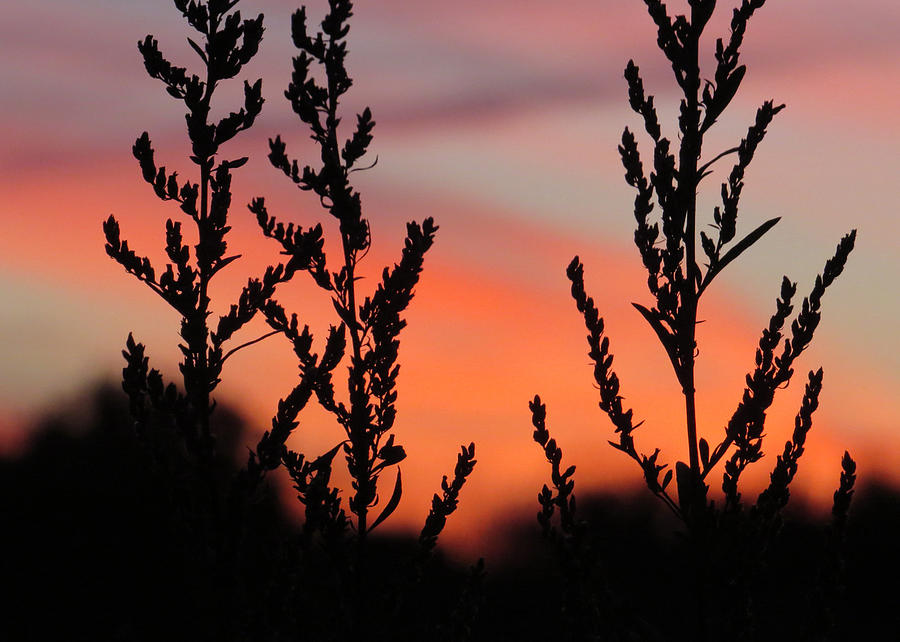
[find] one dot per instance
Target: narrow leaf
(220, 264)
(197, 48)
(738, 248)
(664, 336)
(667, 479)
(326, 459)
(343, 313)
(391, 505)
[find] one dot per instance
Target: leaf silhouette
(392, 504)
(737, 249)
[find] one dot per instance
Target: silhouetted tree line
(93, 548)
(152, 523)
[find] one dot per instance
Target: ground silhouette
(93, 549)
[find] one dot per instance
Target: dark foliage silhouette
(92, 550)
(146, 527)
(95, 540)
(228, 43)
(728, 546)
(182, 416)
(328, 584)
(372, 326)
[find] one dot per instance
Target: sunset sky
(501, 120)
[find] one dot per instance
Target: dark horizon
(86, 543)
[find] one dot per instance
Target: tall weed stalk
(322, 584)
(367, 328)
(177, 421)
(727, 544)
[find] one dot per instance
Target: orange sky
(501, 123)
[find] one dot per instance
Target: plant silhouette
(252, 576)
(325, 588)
(228, 43)
(176, 422)
(371, 325)
(727, 545)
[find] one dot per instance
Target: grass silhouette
(726, 544)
